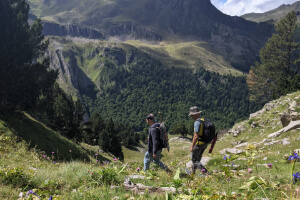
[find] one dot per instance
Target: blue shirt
(197, 125)
(198, 128)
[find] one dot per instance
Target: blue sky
(240, 7)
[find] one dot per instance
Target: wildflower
(216, 171)
(21, 194)
(53, 162)
(250, 170)
(44, 156)
(296, 176)
(226, 157)
(88, 171)
(115, 159)
(138, 169)
(295, 156)
(31, 192)
(96, 154)
(70, 150)
(52, 152)
(92, 173)
(50, 198)
(97, 160)
(203, 170)
(269, 165)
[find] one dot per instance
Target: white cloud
(240, 7)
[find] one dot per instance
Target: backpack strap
(201, 128)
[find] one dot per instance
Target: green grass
(191, 55)
(72, 177)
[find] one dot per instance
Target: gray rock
(297, 151)
(232, 151)
(285, 118)
(292, 125)
(232, 166)
(285, 142)
(242, 145)
(136, 177)
(293, 106)
(166, 189)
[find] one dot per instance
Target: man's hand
(191, 149)
(154, 156)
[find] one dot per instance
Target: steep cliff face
(71, 30)
(134, 31)
(71, 77)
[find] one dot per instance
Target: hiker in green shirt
(198, 146)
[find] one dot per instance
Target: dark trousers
(196, 157)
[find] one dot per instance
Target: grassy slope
(191, 55)
(63, 177)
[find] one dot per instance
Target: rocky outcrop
(70, 30)
(134, 31)
(292, 125)
(235, 131)
(291, 113)
(71, 76)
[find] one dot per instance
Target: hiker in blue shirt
(154, 145)
(197, 148)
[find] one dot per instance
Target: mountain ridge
(155, 21)
(274, 15)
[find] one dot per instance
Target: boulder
(285, 118)
(294, 116)
(237, 130)
(232, 151)
(242, 145)
(292, 125)
(293, 106)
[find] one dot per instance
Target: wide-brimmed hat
(194, 111)
(150, 116)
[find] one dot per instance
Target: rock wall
(70, 30)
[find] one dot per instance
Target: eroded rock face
(292, 125)
(238, 130)
(291, 114)
(50, 28)
(285, 118)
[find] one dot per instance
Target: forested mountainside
(124, 83)
(155, 21)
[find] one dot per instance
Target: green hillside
(260, 170)
(125, 81)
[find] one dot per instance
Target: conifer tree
(277, 73)
(22, 77)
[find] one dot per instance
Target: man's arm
(195, 139)
(154, 141)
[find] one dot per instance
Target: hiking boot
(188, 172)
(169, 171)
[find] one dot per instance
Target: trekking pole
(213, 144)
(160, 117)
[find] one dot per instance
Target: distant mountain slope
(154, 20)
(274, 15)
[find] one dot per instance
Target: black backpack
(163, 135)
(209, 130)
